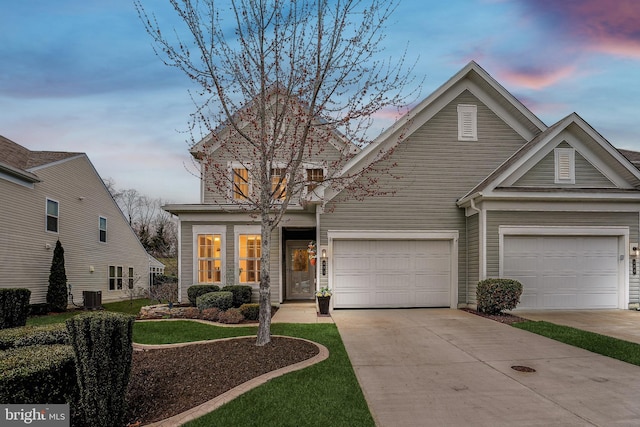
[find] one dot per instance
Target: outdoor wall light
(323, 263)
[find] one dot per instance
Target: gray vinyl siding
(473, 257)
(576, 219)
(543, 174)
(431, 170)
(24, 259)
(188, 258)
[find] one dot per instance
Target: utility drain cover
(522, 368)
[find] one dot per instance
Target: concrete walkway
(444, 367)
(299, 312)
(622, 324)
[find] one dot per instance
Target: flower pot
(313, 261)
(323, 304)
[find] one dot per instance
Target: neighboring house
(482, 188)
(49, 196)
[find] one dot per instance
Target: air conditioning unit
(92, 299)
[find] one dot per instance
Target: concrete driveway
(442, 367)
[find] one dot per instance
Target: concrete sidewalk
(299, 312)
(622, 324)
(444, 367)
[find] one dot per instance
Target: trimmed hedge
(222, 300)
(14, 307)
(55, 333)
(495, 295)
(241, 294)
(37, 374)
(231, 316)
(102, 352)
(250, 311)
(194, 291)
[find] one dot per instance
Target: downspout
(473, 207)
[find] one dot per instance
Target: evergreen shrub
(495, 295)
(14, 307)
(241, 294)
(55, 333)
(57, 294)
(250, 311)
(194, 291)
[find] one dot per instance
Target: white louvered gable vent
(565, 166)
(467, 122)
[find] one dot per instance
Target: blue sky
(81, 75)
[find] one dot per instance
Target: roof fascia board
(58, 162)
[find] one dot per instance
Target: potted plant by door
(324, 296)
(311, 250)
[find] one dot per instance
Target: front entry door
(300, 272)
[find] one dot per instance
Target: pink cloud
(536, 79)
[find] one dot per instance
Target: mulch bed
(166, 382)
(502, 317)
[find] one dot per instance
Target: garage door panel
(564, 272)
(400, 273)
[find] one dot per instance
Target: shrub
(250, 311)
(57, 294)
(495, 295)
(55, 333)
(232, 316)
(210, 314)
(241, 294)
(221, 300)
(14, 307)
(37, 374)
(164, 292)
(39, 309)
(194, 291)
(102, 352)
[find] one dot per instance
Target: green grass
(325, 394)
(128, 306)
(607, 346)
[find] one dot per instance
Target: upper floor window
(467, 122)
(565, 165)
(240, 183)
(314, 177)
(103, 229)
(278, 183)
(52, 215)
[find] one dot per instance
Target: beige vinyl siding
(568, 219)
(83, 198)
(473, 256)
(543, 174)
(433, 170)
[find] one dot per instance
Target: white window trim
(467, 112)
(106, 223)
(558, 154)
(46, 215)
(237, 231)
(210, 229)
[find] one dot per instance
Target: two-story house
(49, 196)
(481, 188)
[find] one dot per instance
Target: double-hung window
(314, 178)
(131, 278)
(240, 183)
(102, 226)
(278, 183)
(115, 277)
(209, 258)
(248, 252)
(52, 215)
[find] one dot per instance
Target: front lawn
(127, 306)
(607, 346)
(325, 394)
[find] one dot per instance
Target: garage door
(391, 273)
(564, 272)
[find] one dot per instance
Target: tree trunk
(264, 327)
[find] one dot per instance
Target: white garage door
(391, 273)
(564, 272)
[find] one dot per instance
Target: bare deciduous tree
(277, 78)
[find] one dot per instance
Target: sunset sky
(81, 75)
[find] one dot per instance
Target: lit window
(240, 183)
(52, 215)
(278, 183)
(103, 229)
(314, 177)
(209, 258)
(249, 250)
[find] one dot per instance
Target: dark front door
(300, 272)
